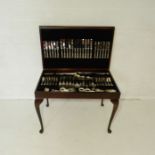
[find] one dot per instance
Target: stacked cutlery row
(101, 49)
(76, 49)
(77, 83)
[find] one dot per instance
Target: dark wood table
(76, 62)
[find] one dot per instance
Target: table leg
(102, 104)
(47, 105)
(37, 107)
(115, 106)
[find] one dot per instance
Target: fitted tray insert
(77, 82)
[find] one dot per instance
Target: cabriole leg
(115, 106)
(37, 107)
(102, 104)
(47, 105)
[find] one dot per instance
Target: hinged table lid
(76, 47)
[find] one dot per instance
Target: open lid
(76, 47)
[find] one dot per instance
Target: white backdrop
(133, 64)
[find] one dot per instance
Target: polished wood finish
(37, 104)
(47, 102)
(115, 106)
(71, 65)
(102, 104)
